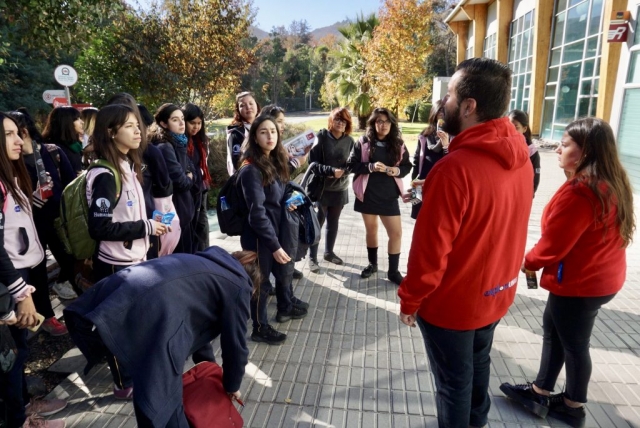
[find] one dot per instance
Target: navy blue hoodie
(152, 316)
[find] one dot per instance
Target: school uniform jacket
(154, 315)
(121, 228)
(19, 245)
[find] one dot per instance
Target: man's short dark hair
(489, 83)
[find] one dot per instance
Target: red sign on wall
(619, 27)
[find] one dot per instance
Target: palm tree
(350, 71)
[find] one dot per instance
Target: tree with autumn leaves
(397, 54)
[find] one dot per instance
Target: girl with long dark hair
(198, 152)
(379, 160)
(262, 177)
(20, 251)
(170, 138)
(586, 227)
(65, 129)
(45, 211)
(156, 184)
(520, 120)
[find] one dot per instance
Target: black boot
(393, 274)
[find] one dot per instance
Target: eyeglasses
(338, 120)
(381, 122)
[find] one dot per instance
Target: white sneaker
(314, 266)
(64, 290)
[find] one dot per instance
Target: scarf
(74, 146)
(180, 139)
(204, 167)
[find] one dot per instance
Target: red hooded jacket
(468, 244)
(591, 250)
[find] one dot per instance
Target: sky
(318, 13)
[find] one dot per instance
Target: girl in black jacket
(331, 153)
(379, 160)
(520, 120)
(429, 150)
(65, 129)
(246, 110)
(198, 152)
(172, 141)
(262, 178)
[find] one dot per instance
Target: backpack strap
(4, 196)
(101, 163)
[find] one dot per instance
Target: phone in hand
(38, 324)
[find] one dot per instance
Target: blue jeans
(460, 363)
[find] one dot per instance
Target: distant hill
(317, 34)
(258, 33)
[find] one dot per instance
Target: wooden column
(478, 13)
(543, 19)
(461, 30)
(505, 16)
(609, 62)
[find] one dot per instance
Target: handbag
(315, 182)
(206, 403)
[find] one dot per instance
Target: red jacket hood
(510, 150)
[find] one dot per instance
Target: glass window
(576, 23)
(629, 124)
(634, 68)
(596, 17)
(559, 29)
(520, 59)
(576, 49)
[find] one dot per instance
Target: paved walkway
(351, 363)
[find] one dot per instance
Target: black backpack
(232, 213)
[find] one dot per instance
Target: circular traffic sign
(65, 75)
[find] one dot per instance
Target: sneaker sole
(535, 408)
(286, 318)
(268, 342)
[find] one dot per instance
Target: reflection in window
(520, 60)
(572, 88)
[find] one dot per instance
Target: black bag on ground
(230, 207)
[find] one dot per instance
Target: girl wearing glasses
(379, 160)
(331, 152)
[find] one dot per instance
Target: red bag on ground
(206, 403)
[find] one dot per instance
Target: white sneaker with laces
(64, 290)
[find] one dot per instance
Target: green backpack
(72, 226)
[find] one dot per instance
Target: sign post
(50, 94)
(66, 76)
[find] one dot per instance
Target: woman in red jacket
(586, 228)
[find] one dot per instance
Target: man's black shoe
(299, 303)
(295, 313)
(369, 270)
(525, 395)
(395, 277)
(573, 416)
(297, 274)
(267, 334)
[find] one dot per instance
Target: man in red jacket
(468, 245)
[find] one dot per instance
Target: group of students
(163, 169)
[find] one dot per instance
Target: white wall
(522, 7)
(492, 19)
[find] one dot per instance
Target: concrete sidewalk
(351, 363)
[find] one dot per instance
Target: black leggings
(567, 324)
(332, 215)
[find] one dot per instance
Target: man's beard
(452, 124)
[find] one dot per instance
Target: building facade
(563, 66)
